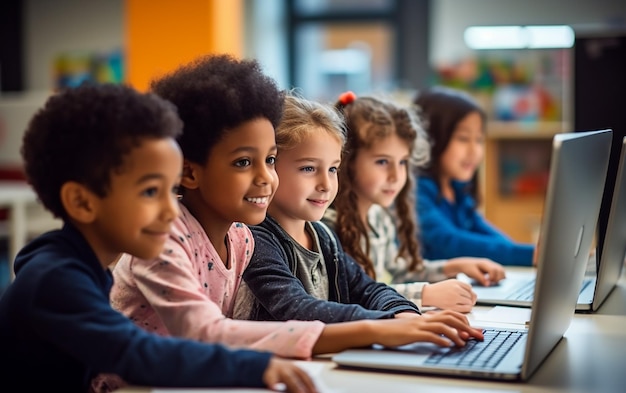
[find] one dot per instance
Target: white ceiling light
(550, 36)
(495, 37)
(519, 37)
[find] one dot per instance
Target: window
(366, 46)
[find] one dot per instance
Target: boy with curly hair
(105, 160)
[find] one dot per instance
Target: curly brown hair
(368, 120)
(215, 94)
(83, 134)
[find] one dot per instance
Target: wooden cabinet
(514, 175)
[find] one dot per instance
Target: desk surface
(590, 358)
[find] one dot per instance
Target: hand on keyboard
(444, 328)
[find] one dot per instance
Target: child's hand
(485, 271)
(283, 375)
(449, 294)
(442, 328)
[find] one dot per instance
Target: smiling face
(136, 215)
(465, 150)
(238, 180)
(308, 178)
(381, 171)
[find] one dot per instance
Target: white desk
(590, 358)
(575, 365)
(18, 197)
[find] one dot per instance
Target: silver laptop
(578, 167)
(518, 288)
(614, 247)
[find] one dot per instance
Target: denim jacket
(279, 294)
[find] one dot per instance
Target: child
(229, 109)
(298, 269)
(104, 159)
(447, 190)
(384, 141)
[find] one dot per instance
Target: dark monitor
(599, 99)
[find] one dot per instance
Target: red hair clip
(345, 98)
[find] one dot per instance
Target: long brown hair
(368, 120)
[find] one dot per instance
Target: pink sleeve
(171, 287)
(288, 339)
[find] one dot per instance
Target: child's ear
(190, 176)
(79, 202)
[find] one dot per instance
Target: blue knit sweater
(457, 230)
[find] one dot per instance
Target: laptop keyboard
(527, 291)
(487, 353)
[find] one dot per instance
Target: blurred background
(322, 48)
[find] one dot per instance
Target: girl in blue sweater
(450, 225)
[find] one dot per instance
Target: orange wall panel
(163, 34)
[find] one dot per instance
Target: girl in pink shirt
(230, 110)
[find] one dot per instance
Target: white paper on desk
(502, 315)
(312, 368)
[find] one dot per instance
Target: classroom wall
(160, 36)
(152, 39)
(54, 26)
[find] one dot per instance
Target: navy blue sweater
(281, 296)
(57, 330)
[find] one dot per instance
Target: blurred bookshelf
(527, 96)
(515, 175)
